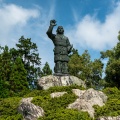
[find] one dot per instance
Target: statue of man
(61, 50)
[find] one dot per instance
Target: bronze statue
(61, 50)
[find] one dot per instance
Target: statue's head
(60, 30)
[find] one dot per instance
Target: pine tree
(5, 71)
(96, 73)
(112, 70)
(84, 68)
(18, 77)
(5, 64)
(28, 52)
(80, 65)
(46, 70)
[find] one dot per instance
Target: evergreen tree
(28, 52)
(80, 65)
(14, 53)
(5, 65)
(112, 70)
(85, 69)
(5, 71)
(96, 74)
(46, 70)
(75, 64)
(18, 77)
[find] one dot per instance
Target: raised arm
(50, 29)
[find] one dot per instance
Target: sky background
(91, 25)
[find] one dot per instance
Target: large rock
(29, 110)
(51, 80)
(87, 99)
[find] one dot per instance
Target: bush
(52, 104)
(67, 89)
(8, 109)
(112, 106)
(56, 108)
(67, 114)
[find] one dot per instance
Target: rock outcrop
(51, 81)
(29, 110)
(87, 99)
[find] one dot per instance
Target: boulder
(87, 99)
(50, 81)
(29, 110)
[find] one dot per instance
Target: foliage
(53, 89)
(28, 52)
(85, 69)
(18, 77)
(62, 114)
(113, 66)
(8, 109)
(96, 74)
(19, 68)
(5, 64)
(112, 106)
(4, 92)
(46, 70)
(5, 71)
(55, 108)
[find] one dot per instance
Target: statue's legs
(65, 67)
(57, 68)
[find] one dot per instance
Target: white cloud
(16, 21)
(12, 18)
(91, 32)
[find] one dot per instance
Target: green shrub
(68, 89)
(48, 103)
(67, 114)
(13, 117)
(112, 93)
(8, 108)
(55, 108)
(112, 106)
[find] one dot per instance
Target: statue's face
(60, 30)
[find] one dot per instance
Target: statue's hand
(53, 23)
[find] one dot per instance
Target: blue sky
(91, 25)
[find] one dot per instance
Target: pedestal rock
(50, 81)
